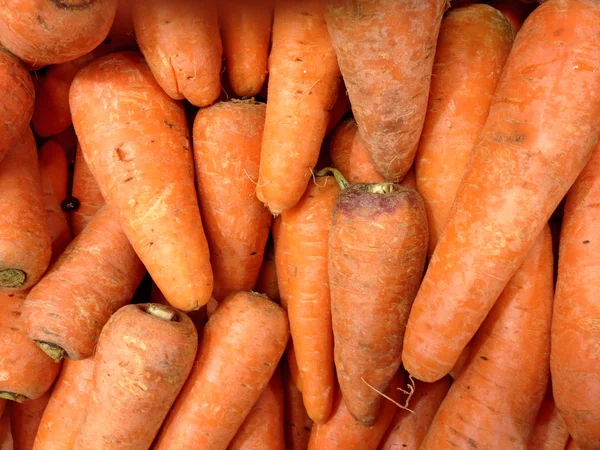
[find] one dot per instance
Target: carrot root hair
(409, 393)
(52, 350)
(12, 278)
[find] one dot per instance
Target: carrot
(472, 48)
(25, 420)
(304, 83)
(263, 427)
(180, 40)
(549, 431)
(460, 362)
(246, 34)
(26, 246)
(2, 407)
(42, 32)
(514, 181)
(67, 139)
(377, 249)
(575, 361)
(96, 275)
(342, 431)
(301, 260)
(17, 108)
(227, 139)
(408, 429)
(387, 74)
(297, 424)
(6, 439)
(87, 192)
(141, 157)
(340, 109)
(267, 279)
(515, 12)
(229, 375)
(67, 406)
(494, 401)
(121, 35)
(292, 361)
(572, 445)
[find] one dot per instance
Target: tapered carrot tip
(52, 350)
(19, 398)
(12, 278)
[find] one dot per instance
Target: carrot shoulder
(87, 192)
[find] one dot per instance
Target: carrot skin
(550, 431)
(87, 192)
(297, 424)
(25, 420)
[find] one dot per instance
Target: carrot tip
(52, 350)
(12, 278)
(19, 398)
(163, 312)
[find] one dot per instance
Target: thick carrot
(180, 40)
(25, 247)
(246, 34)
(304, 81)
(301, 259)
(144, 355)
(67, 406)
(472, 48)
(387, 73)
(549, 431)
(87, 192)
(96, 275)
(25, 419)
(227, 140)
(408, 429)
(575, 333)
(229, 375)
(377, 249)
(42, 32)
(263, 427)
(297, 424)
(141, 157)
(6, 439)
(267, 279)
(494, 401)
(530, 151)
(17, 108)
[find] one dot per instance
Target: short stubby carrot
(550, 431)
(25, 245)
(301, 259)
(473, 44)
(87, 192)
(42, 32)
(144, 355)
(495, 399)
(25, 420)
(180, 40)
(387, 73)
(229, 375)
(227, 140)
(575, 359)
(297, 424)
(304, 80)
(531, 149)
(96, 275)
(377, 249)
(141, 157)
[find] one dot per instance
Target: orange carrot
(67, 406)
(267, 279)
(25, 420)
(180, 40)
(301, 260)
(304, 83)
(387, 74)
(67, 140)
(494, 401)
(121, 35)
(26, 247)
(227, 139)
(96, 275)
(141, 157)
(340, 109)
(472, 48)
(297, 424)
(377, 250)
(513, 183)
(6, 439)
(549, 431)
(42, 32)
(87, 192)
(229, 375)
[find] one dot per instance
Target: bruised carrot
(229, 375)
(42, 32)
(227, 139)
(472, 48)
(377, 250)
(297, 424)
(87, 192)
(494, 401)
(180, 40)
(141, 157)
(96, 275)
(304, 83)
(66, 407)
(26, 247)
(25, 420)
(549, 431)
(515, 180)
(263, 427)
(267, 279)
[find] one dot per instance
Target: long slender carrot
(297, 424)
(67, 406)
(550, 431)
(304, 83)
(229, 375)
(267, 279)
(96, 275)
(141, 157)
(6, 439)
(87, 192)
(472, 48)
(494, 401)
(227, 140)
(377, 249)
(575, 361)
(25, 420)
(25, 247)
(532, 148)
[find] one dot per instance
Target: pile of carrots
(299, 224)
